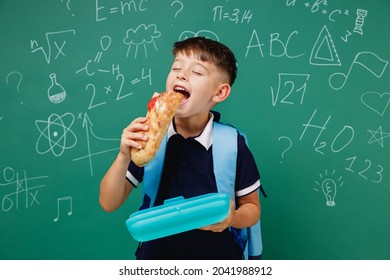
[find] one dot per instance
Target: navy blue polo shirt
(188, 171)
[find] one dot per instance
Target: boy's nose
(181, 76)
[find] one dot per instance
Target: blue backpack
(224, 150)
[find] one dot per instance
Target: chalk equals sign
(114, 10)
(143, 77)
(135, 81)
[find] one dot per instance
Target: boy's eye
(197, 72)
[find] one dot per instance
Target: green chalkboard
(312, 95)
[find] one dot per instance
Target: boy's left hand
(221, 226)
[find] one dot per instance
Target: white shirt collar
(205, 138)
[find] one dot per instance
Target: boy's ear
(222, 93)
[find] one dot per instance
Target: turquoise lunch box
(178, 215)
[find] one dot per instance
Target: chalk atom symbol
(56, 135)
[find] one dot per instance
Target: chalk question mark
(19, 80)
(289, 145)
(180, 4)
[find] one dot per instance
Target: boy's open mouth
(183, 91)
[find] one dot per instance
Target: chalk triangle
(324, 52)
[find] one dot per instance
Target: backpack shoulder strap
(225, 148)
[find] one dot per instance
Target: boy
(204, 71)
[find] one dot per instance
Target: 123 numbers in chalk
(367, 170)
(257, 270)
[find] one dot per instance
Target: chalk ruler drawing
(324, 52)
(24, 188)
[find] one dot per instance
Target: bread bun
(161, 110)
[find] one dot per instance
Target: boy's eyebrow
(194, 62)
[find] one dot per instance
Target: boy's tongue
(185, 94)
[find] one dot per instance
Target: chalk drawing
(377, 136)
(67, 6)
(92, 104)
(201, 33)
(181, 6)
(324, 52)
(141, 36)
(55, 135)
(329, 185)
(87, 125)
(19, 79)
(359, 23)
(345, 38)
(281, 45)
(331, 14)
(377, 102)
(366, 169)
(52, 38)
(67, 200)
(340, 141)
(369, 60)
(288, 146)
(257, 44)
(291, 89)
(105, 43)
(24, 189)
(56, 91)
(236, 15)
(124, 8)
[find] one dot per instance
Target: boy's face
(200, 81)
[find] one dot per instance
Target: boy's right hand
(132, 133)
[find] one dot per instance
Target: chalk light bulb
(329, 188)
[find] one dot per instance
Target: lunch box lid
(178, 215)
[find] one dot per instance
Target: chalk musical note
(63, 199)
(372, 62)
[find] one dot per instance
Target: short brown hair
(210, 51)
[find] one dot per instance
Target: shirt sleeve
(247, 175)
(134, 174)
